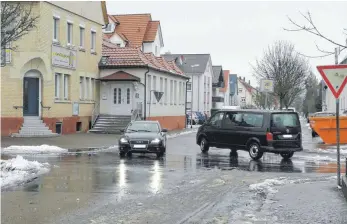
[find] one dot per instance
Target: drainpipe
(145, 93)
(185, 106)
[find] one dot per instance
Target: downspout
(185, 106)
(145, 94)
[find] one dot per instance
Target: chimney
(240, 77)
(244, 78)
(249, 82)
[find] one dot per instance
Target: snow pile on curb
(32, 149)
(18, 171)
(182, 133)
(267, 185)
(343, 150)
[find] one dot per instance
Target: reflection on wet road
(78, 179)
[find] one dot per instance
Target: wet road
(99, 187)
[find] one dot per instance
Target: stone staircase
(110, 124)
(34, 127)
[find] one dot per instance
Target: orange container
(325, 127)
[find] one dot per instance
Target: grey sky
(235, 33)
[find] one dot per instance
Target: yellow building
(50, 77)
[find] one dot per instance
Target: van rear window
(284, 119)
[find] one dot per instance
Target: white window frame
(56, 28)
(82, 91)
(92, 80)
(82, 37)
(87, 88)
(149, 81)
(66, 82)
(189, 86)
(166, 88)
(175, 92)
(184, 93)
(57, 81)
(68, 25)
(93, 40)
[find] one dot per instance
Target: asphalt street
(183, 187)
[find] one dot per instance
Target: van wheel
(254, 151)
(287, 155)
(204, 145)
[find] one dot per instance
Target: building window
(166, 91)
(82, 88)
(128, 95)
(156, 50)
(6, 54)
(243, 99)
(81, 37)
(154, 88)
(118, 45)
(184, 93)
(115, 92)
(66, 86)
(161, 88)
(240, 90)
(87, 88)
(149, 81)
(56, 29)
(189, 86)
(119, 95)
(57, 85)
(175, 95)
(69, 33)
(92, 88)
(93, 39)
(171, 92)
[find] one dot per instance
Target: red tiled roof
(151, 32)
(133, 57)
(136, 28)
(119, 76)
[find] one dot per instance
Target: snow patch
(267, 185)
(182, 133)
(32, 149)
(317, 158)
(18, 170)
(329, 150)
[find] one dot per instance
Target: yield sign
(335, 76)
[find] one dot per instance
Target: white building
(131, 80)
(198, 67)
(246, 93)
(135, 30)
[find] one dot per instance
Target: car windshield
(285, 120)
(143, 127)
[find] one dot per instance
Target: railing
(44, 106)
(95, 113)
(135, 116)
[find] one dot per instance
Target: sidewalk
(74, 142)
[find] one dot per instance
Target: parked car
(255, 131)
(201, 117)
(193, 115)
(143, 137)
(320, 114)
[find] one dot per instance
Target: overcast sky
(236, 33)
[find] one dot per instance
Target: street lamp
(191, 104)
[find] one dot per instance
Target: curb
(344, 186)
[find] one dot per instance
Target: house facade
(131, 80)
(50, 78)
(246, 93)
(329, 101)
(218, 97)
(135, 30)
(226, 89)
(198, 67)
(233, 88)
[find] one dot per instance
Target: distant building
(233, 90)
(225, 89)
(218, 97)
(198, 67)
(246, 93)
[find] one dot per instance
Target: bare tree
(286, 68)
(312, 29)
(17, 20)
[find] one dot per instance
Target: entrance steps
(110, 124)
(34, 127)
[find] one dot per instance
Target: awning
(120, 76)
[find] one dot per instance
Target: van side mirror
(164, 130)
(122, 130)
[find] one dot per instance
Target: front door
(121, 99)
(31, 96)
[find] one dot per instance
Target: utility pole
(337, 49)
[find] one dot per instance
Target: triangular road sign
(335, 76)
(158, 95)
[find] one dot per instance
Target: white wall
(164, 107)
(150, 47)
(116, 39)
(244, 93)
(331, 101)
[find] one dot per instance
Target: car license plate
(287, 136)
(139, 146)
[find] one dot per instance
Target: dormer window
(109, 28)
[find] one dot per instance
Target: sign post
(266, 86)
(335, 76)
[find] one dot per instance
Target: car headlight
(156, 141)
(123, 140)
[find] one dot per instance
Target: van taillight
(269, 136)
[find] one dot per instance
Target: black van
(256, 131)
